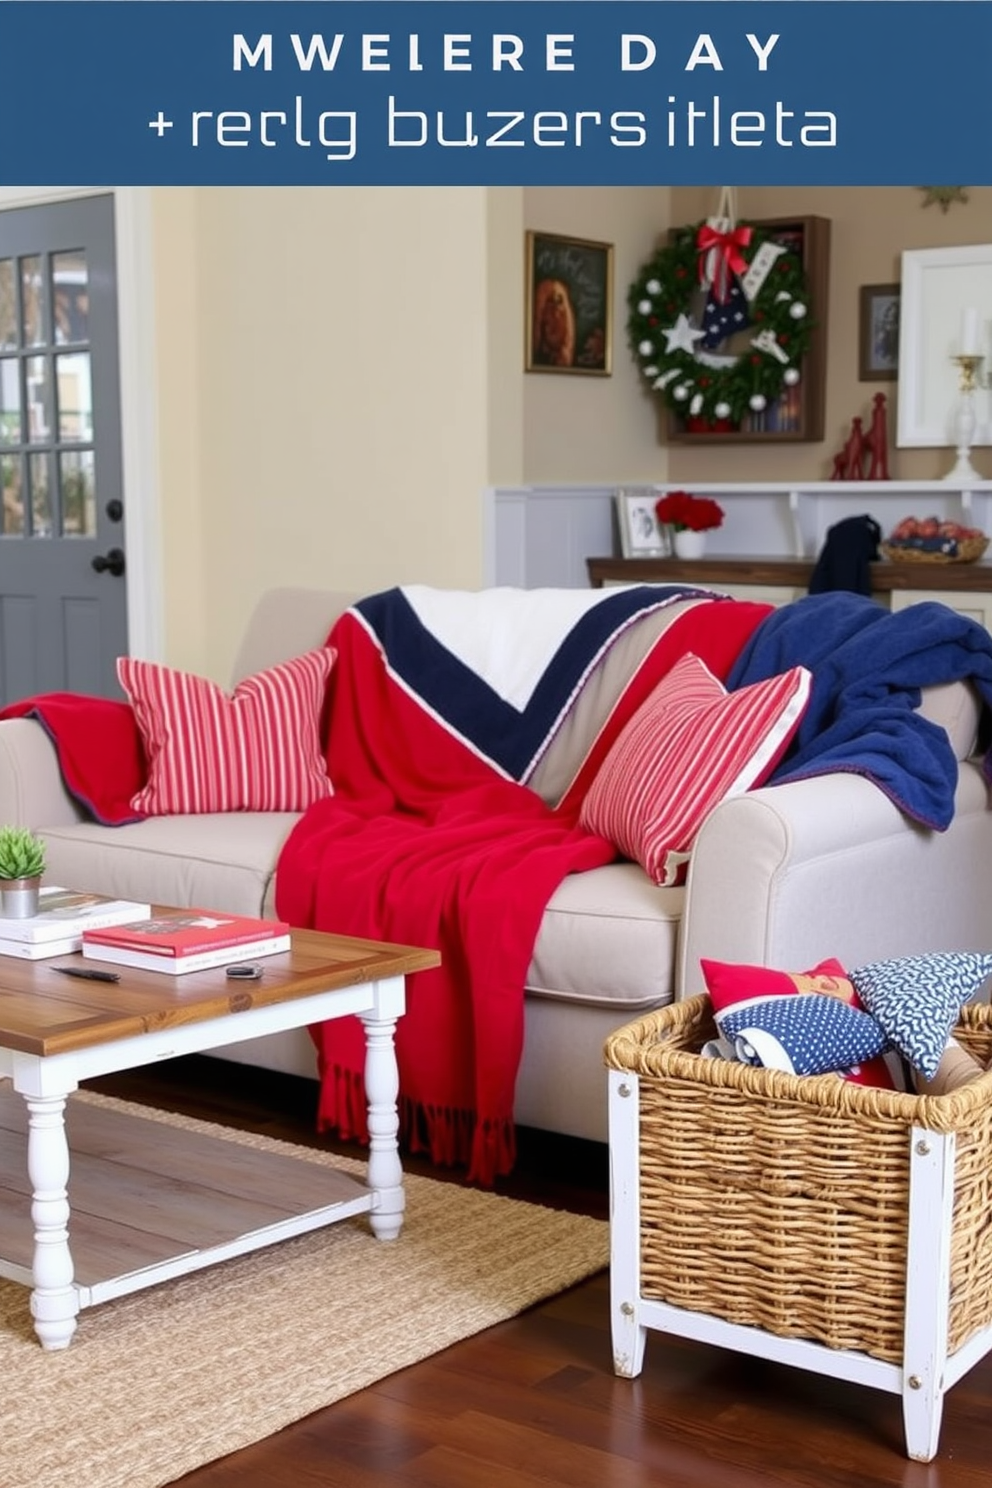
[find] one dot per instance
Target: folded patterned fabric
(917, 999)
(812, 1034)
(806, 1023)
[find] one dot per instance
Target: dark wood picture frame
(569, 305)
(799, 416)
(878, 332)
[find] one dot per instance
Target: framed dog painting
(569, 287)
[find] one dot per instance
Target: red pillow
(256, 749)
(730, 983)
(733, 985)
(689, 745)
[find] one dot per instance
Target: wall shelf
(790, 519)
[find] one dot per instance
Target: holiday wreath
(744, 281)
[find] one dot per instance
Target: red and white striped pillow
(256, 749)
(689, 745)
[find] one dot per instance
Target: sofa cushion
(256, 749)
(215, 861)
(607, 940)
(690, 745)
(957, 707)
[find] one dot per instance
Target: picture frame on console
(878, 333)
(569, 305)
(641, 535)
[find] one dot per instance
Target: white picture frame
(640, 534)
(938, 286)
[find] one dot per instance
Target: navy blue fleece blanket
(868, 667)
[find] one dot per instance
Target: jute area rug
(157, 1383)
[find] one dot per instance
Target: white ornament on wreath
(790, 376)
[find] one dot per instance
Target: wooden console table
(965, 587)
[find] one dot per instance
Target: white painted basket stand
(834, 1227)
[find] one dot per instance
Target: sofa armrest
(32, 793)
(790, 874)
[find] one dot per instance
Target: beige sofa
(783, 876)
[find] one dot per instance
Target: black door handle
(112, 562)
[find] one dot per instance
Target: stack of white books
(63, 915)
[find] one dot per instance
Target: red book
(179, 940)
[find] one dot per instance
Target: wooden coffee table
(149, 1201)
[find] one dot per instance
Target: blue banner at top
(507, 92)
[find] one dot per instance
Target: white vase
(689, 544)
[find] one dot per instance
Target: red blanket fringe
(449, 1138)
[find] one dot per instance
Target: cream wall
(870, 227)
(591, 430)
(324, 376)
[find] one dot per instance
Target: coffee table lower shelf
(150, 1201)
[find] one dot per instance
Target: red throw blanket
(424, 843)
(101, 756)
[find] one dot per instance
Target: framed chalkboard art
(569, 305)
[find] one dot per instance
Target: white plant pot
(689, 544)
(19, 898)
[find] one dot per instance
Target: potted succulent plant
(22, 862)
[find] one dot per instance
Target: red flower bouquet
(680, 510)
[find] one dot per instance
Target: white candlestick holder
(964, 419)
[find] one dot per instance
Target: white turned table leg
(54, 1301)
(382, 1083)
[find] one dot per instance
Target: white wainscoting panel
(539, 537)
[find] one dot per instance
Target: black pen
(86, 974)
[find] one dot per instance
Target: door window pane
(41, 496)
(72, 372)
(33, 295)
(12, 509)
(39, 400)
(76, 475)
(10, 401)
(8, 304)
(70, 297)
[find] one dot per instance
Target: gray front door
(63, 611)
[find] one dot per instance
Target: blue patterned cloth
(806, 1035)
(917, 999)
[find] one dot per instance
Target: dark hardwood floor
(534, 1402)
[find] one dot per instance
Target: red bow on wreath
(719, 256)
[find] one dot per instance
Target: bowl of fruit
(929, 540)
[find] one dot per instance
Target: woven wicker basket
(782, 1202)
(969, 550)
